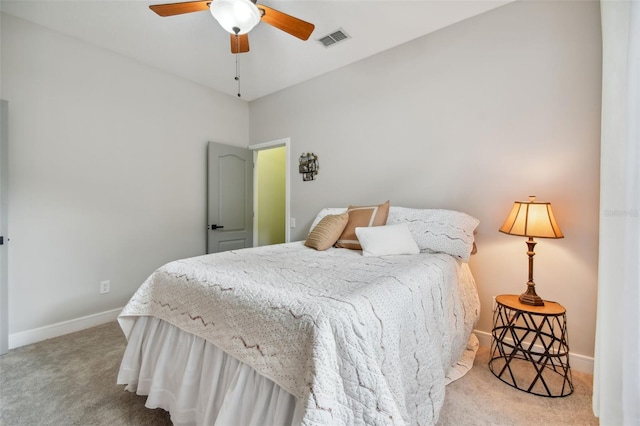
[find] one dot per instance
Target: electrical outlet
(105, 287)
(494, 306)
(292, 222)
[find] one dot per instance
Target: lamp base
(530, 297)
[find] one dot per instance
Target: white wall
(473, 117)
(107, 171)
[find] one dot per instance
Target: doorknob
(213, 227)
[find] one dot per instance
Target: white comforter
(357, 340)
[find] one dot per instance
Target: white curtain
(616, 388)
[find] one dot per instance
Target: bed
(289, 335)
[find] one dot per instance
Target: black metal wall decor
(308, 166)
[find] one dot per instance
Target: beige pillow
(327, 231)
(362, 216)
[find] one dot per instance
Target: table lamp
(531, 219)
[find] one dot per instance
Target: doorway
(271, 183)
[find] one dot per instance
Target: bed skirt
(197, 382)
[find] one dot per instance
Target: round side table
(529, 347)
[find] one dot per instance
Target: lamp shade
(532, 219)
(236, 16)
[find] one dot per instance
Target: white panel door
(229, 198)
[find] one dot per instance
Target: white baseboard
(577, 362)
(54, 330)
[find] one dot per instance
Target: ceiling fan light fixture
(235, 16)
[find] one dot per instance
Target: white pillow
(386, 240)
(437, 230)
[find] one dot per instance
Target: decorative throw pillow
(327, 231)
(362, 216)
(325, 212)
(436, 230)
(386, 240)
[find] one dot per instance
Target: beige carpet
(70, 380)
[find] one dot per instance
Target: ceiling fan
(238, 17)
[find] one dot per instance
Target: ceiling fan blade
(287, 23)
(240, 43)
(171, 9)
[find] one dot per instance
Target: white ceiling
(195, 47)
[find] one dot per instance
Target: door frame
(286, 142)
(4, 256)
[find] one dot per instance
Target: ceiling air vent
(333, 38)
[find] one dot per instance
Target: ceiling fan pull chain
(237, 78)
